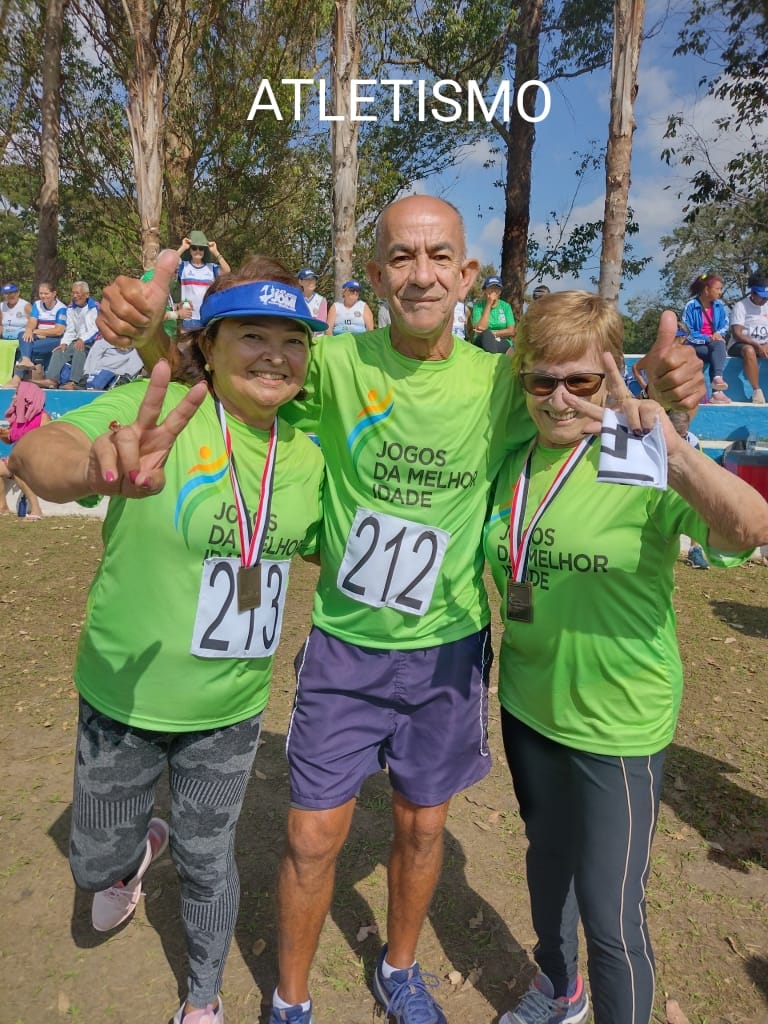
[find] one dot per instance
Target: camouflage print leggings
(116, 770)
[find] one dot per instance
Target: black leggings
(590, 820)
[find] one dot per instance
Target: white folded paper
(626, 459)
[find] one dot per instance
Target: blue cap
(306, 272)
(353, 284)
(259, 298)
(762, 292)
(491, 282)
(8, 288)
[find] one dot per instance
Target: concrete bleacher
(717, 426)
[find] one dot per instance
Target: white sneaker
(758, 398)
(718, 384)
(112, 906)
(205, 1016)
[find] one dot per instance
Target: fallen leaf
(483, 826)
(365, 930)
(730, 640)
(455, 978)
(494, 817)
(679, 784)
(475, 922)
(258, 947)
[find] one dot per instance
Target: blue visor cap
(492, 282)
(259, 298)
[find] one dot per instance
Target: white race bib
(221, 631)
(391, 562)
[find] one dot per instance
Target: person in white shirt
(14, 312)
(81, 332)
(351, 315)
(749, 332)
(47, 323)
(318, 306)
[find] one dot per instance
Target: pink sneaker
(718, 398)
(205, 1016)
(718, 384)
(112, 906)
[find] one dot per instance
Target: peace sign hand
(640, 414)
(128, 460)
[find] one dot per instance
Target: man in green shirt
(414, 426)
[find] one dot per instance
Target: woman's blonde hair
(563, 326)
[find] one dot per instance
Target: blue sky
(580, 113)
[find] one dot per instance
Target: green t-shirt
(499, 318)
(598, 669)
(419, 442)
(134, 662)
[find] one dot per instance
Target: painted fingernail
(146, 483)
(133, 476)
(110, 477)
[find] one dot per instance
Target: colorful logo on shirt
(371, 416)
(205, 474)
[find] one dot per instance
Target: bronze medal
(520, 601)
(248, 587)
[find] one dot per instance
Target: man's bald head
(418, 205)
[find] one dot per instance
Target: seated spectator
(749, 332)
(200, 264)
(106, 365)
(539, 292)
(81, 332)
(706, 319)
(26, 412)
(14, 311)
(352, 315)
(492, 322)
(47, 323)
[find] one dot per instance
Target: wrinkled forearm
(737, 516)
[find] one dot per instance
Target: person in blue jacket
(706, 319)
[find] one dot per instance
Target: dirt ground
(708, 892)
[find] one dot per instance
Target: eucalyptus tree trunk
(145, 113)
(519, 142)
(629, 16)
(345, 59)
(47, 264)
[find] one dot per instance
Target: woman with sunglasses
(184, 615)
(590, 678)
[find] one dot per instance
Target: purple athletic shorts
(421, 713)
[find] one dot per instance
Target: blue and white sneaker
(292, 1015)
(539, 1006)
(696, 558)
(405, 996)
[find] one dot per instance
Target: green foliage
(732, 36)
(731, 240)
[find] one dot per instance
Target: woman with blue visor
(184, 614)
